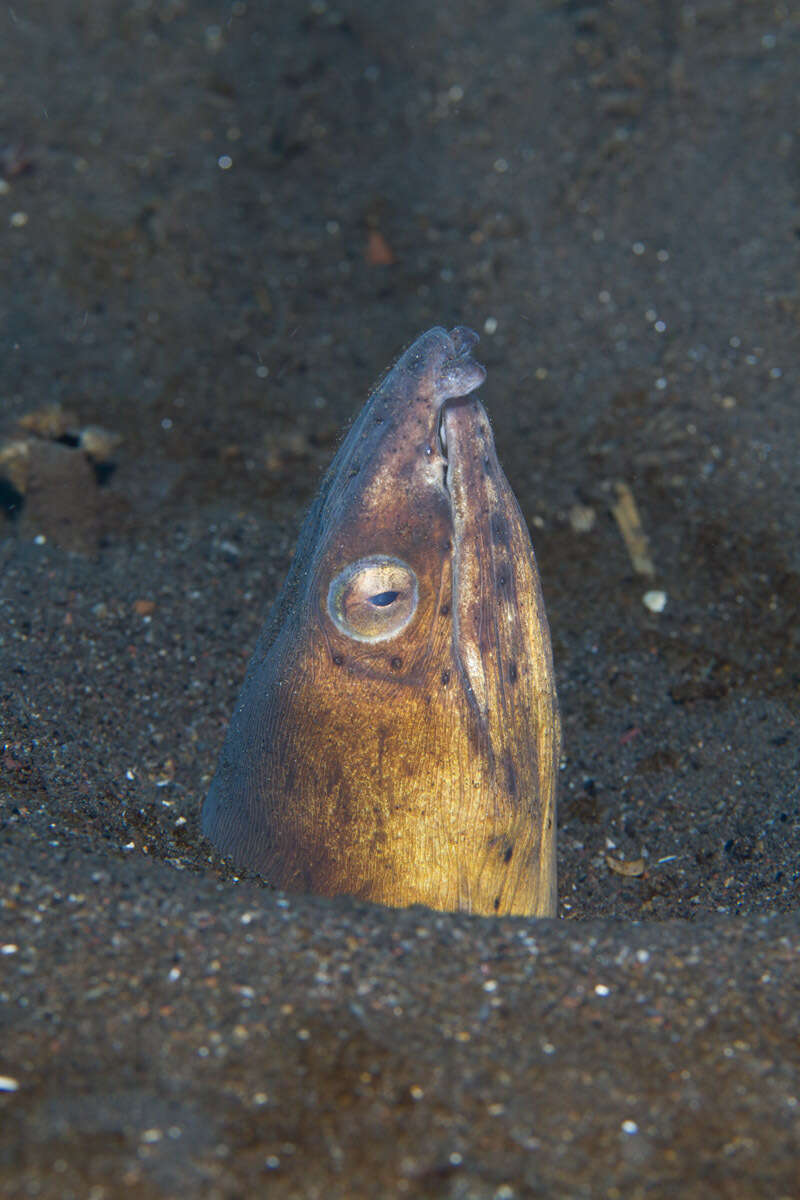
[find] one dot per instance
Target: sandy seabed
(219, 224)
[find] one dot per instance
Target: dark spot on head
(444, 610)
(512, 672)
(499, 528)
(511, 777)
(447, 546)
(503, 845)
(496, 903)
(337, 660)
(445, 676)
(502, 579)
(487, 465)
(396, 663)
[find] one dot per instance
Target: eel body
(397, 734)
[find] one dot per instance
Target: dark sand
(610, 194)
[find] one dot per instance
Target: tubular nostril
(459, 376)
(463, 339)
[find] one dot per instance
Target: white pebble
(582, 518)
(656, 601)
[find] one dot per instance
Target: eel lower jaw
(448, 409)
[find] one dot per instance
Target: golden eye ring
(374, 598)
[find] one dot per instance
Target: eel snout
(458, 373)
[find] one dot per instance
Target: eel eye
(373, 599)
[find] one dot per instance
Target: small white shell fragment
(626, 513)
(656, 601)
(630, 867)
(8, 1084)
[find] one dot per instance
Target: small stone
(582, 518)
(656, 601)
(98, 443)
(51, 421)
(14, 460)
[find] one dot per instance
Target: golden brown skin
(397, 734)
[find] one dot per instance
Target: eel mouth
(459, 374)
(441, 437)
